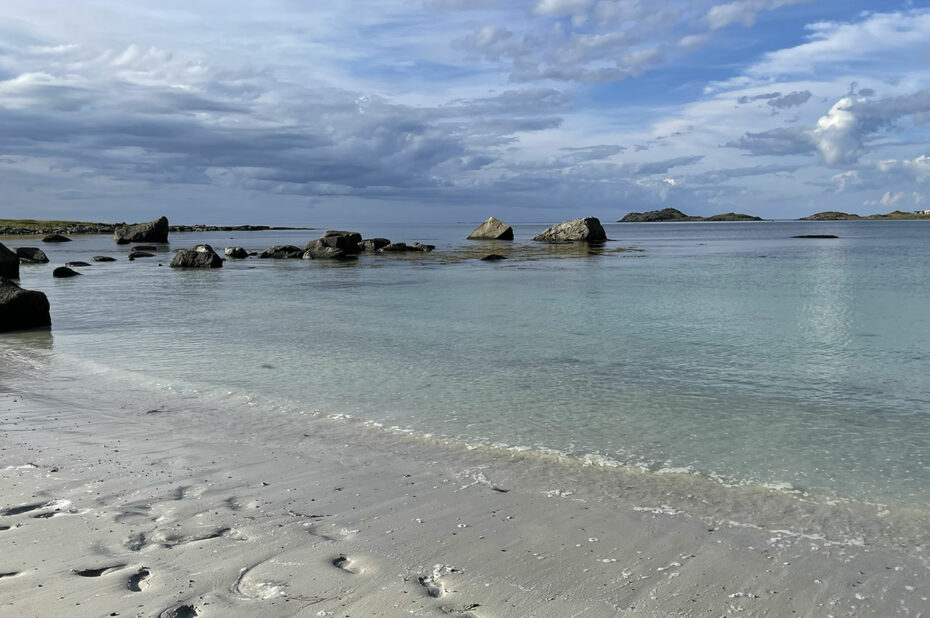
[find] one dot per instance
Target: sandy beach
(115, 505)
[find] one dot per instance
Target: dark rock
(237, 253)
(373, 244)
(346, 242)
(145, 248)
(815, 236)
(201, 256)
(56, 238)
(31, 255)
(9, 263)
(153, 231)
(21, 309)
(76, 264)
(103, 258)
(494, 257)
(319, 250)
(419, 247)
(492, 229)
(394, 247)
(139, 254)
(588, 230)
(281, 252)
(63, 272)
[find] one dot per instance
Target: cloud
(743, 12)
(917, 169)
(792, 99)
(887, 200)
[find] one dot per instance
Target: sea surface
(728, 351)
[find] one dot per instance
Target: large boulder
(346, 242)
(236, 253)
(9, 263)
(319, 250)
(31, 255)
(20, 309)
(492, 229)
(588, 229)
(201, 256)
(56, 238)
(281, 252)
(63, 272)
(153, 231)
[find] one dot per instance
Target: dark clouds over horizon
(453, 111)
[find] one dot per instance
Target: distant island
(835, 215)
(673, 214)
(25, 227)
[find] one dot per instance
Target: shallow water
(732, 351)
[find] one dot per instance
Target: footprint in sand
(135, 542)
(332, 534)
(461, 612)
(169, 540)
(349, 566)
(181, 611)
(249, 585)
(9, 574)
(432, 582)
(100, 571)
(52, 508)
(138, 581)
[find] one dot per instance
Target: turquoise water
(732, 351)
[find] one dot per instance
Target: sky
(307, 112)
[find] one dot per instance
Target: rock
(56, 238)
(394, 247)
(103, 258)
(31, 255)
(492, 229)
(153, 231)
(237, 253)
(9, 263)
(816, 236)
(319, 250)
(63, 272)
(21, 309)
(346, 242)
(139, 254)
(373, 244)
(76, 264)
(281, 252)
(588, 230)
(145, 248)
(201, 256)
(494, 257)
(418, 247)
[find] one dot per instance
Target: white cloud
(743, 11)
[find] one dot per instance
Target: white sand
(122, 512)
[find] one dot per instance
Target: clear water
(733, 351)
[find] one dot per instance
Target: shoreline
(233, 509)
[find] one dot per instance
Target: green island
(673, 214)
(835, 215)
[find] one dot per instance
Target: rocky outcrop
(236, 253)
(732, 216)
(153, 231)
(588, 229)
(673, 214)
(103, 258)
(21, 309)
(492, 229)
(56, 238)
(494, 257)
(401, 247)
(63, 272)
(201, 256)
(830, 215)
(281, 252)
(9, 263)
(319, 250)
(346, 242)
(31, 255)
(373, 244)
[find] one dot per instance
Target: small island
(673, 214)
(31, 227)
(835, 215)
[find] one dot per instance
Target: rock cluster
(588, 229)
(21, 309)
(152, 231)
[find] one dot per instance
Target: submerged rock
(281, 252)
(815, 236)
(56, 238)
(494, 257)
(201, 256)
(139, 254)
(492, 229)
(76, 264)
(103, 258)
(152, 231)
(31, 255)
(21, 309)
(236, 253)
(63, 272)
(145, 248)
(588, 229)
(401, 247)
(9, 263)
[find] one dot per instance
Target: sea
(733, 353)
